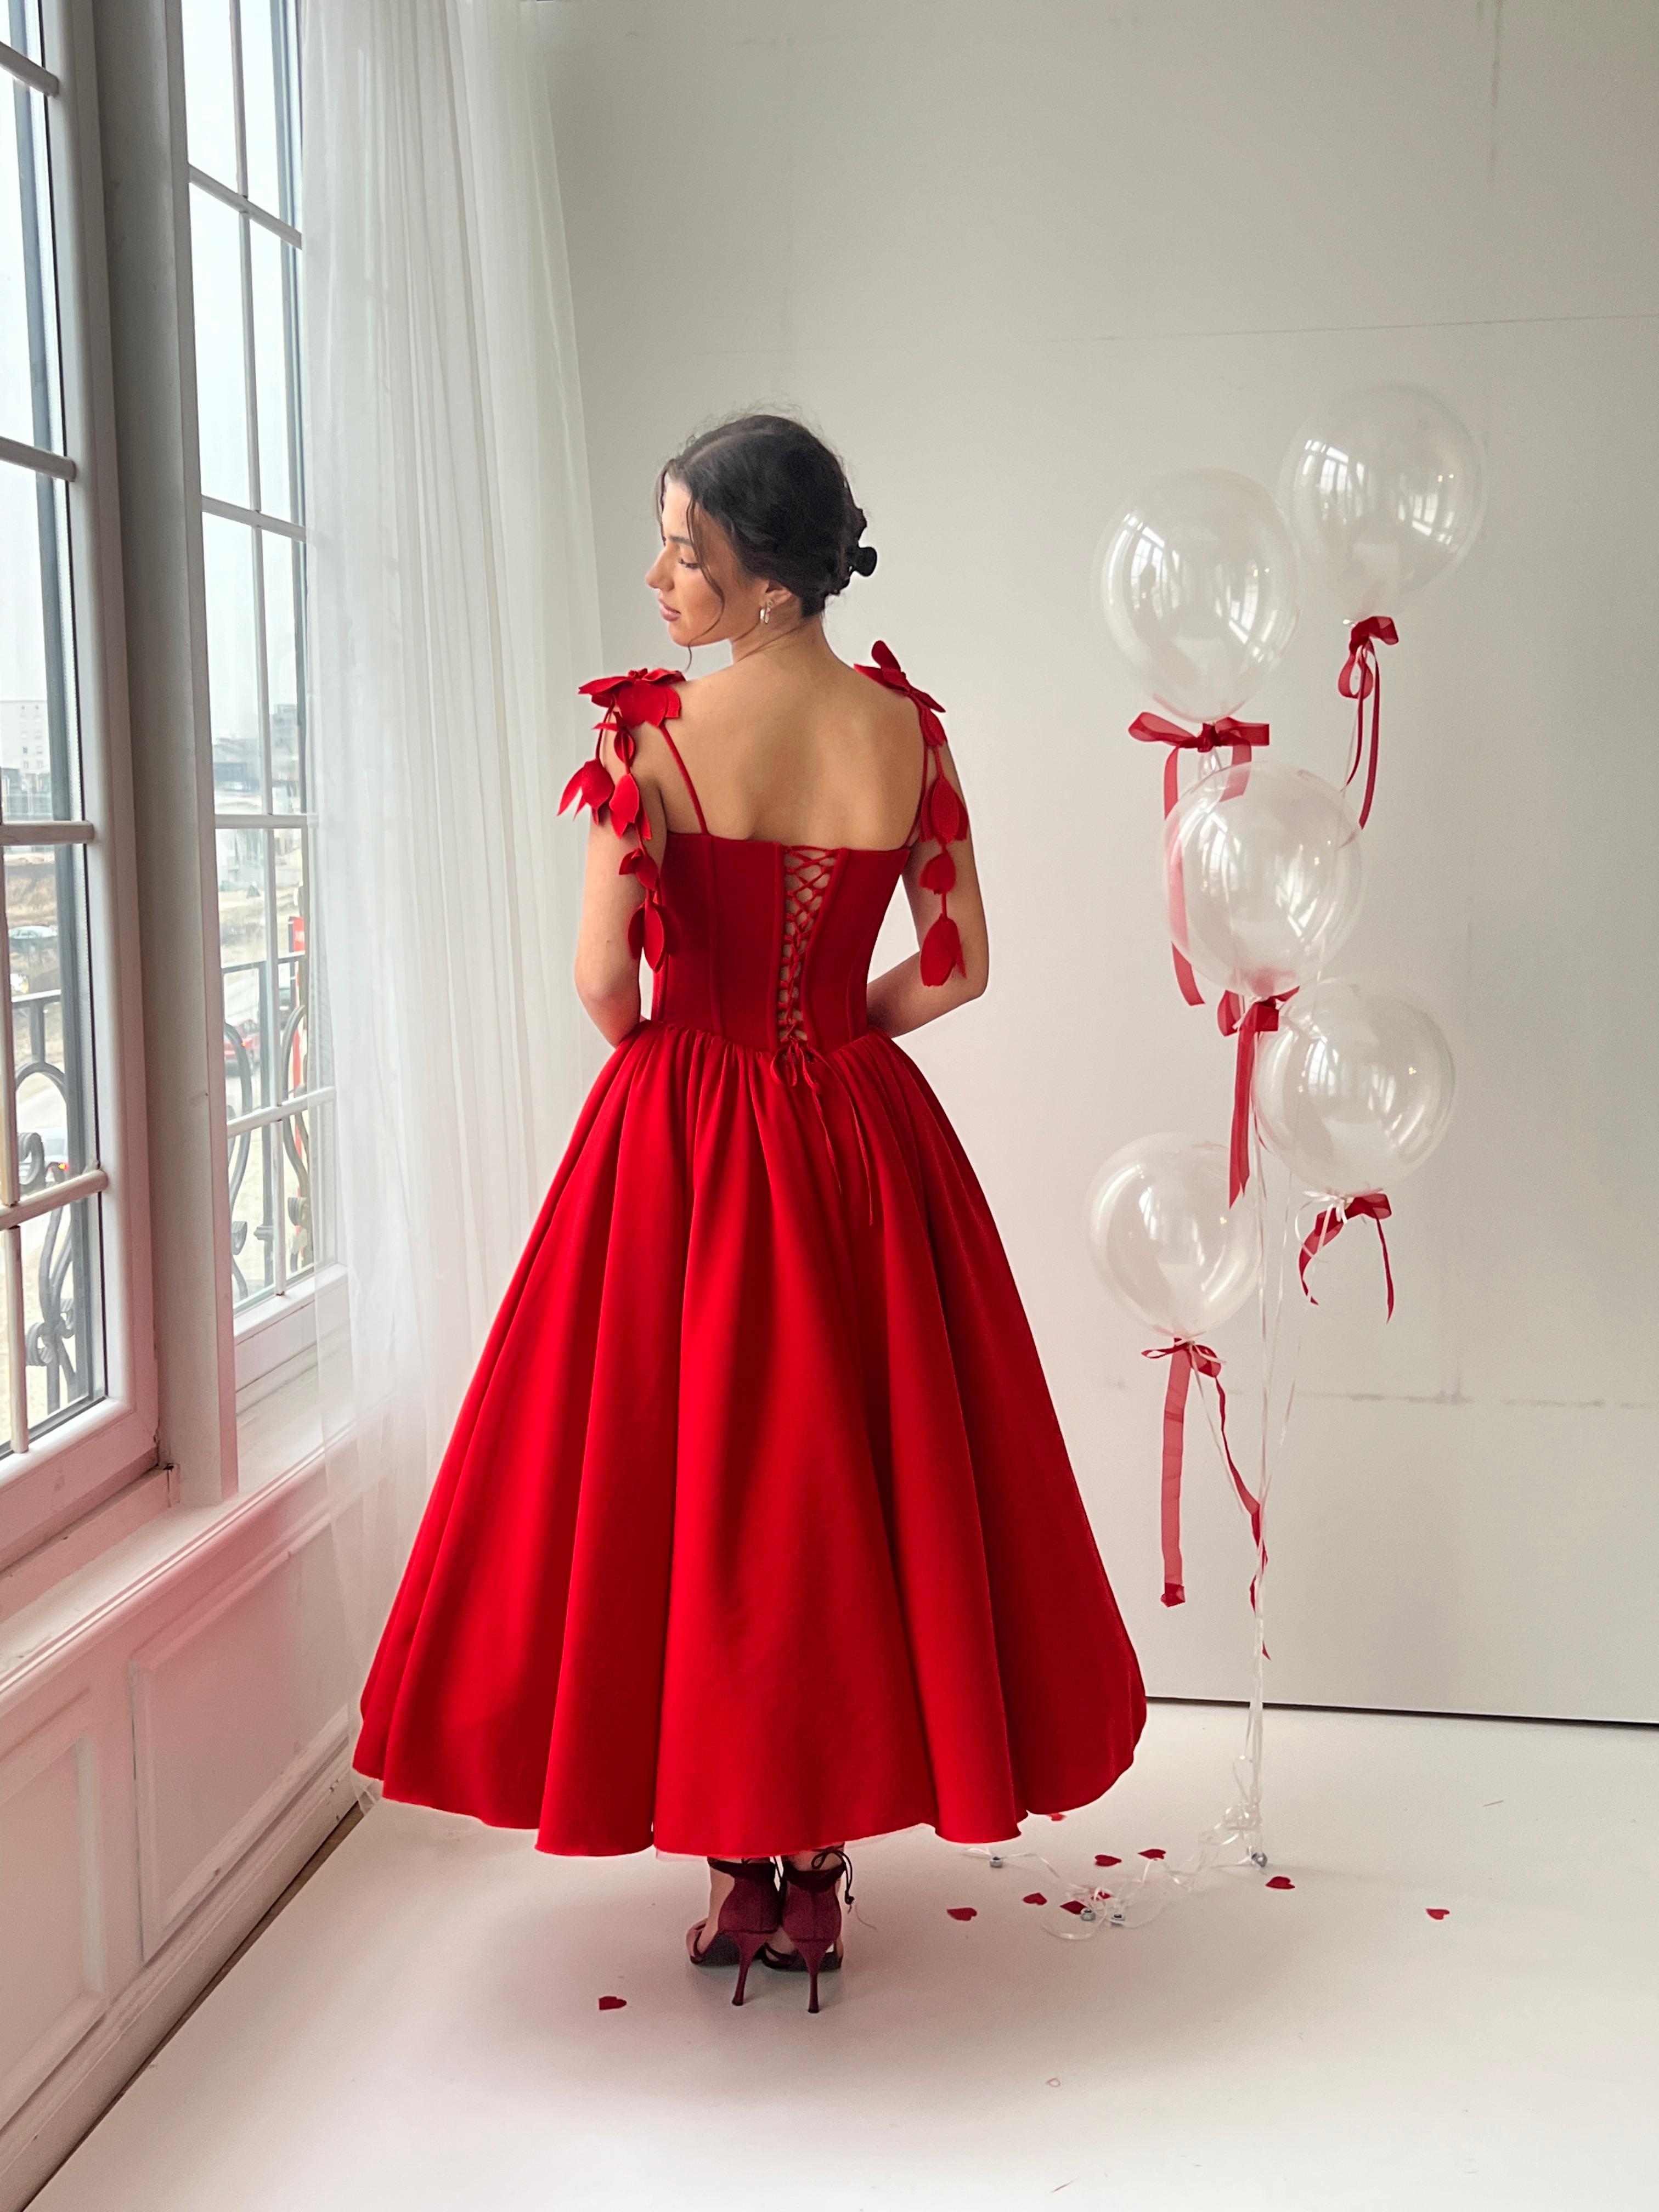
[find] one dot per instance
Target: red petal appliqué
(636, 861)
(940, 874)
(626, 809)
(1280, 1881)
(1154, 1855)
(611, 2004)
(645, 933)
(941, 950)
(1034, 1897)
(591, 786)
(644, 694)
(1072, 1905)
(655, 944)
(1436, 1911)
(963, 1912)
(1105, 1858)
(946, 817)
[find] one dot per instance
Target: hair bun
(863, 559)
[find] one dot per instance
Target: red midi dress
(756, 1530)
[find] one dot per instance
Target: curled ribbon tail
(1371, 1206)
(1188, 1358)
(1361, 679)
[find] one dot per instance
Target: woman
(756, 1528)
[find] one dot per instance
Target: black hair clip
(863, 559)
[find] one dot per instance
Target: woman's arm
(607, 971)
(899, 1000)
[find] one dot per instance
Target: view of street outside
(242, 112)
(58, 1334)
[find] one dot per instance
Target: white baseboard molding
(41, 2135)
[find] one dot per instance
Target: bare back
(819, 756)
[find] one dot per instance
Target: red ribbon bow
(1260, 1021)
(1362, 679)
(1187, 1358)
(1241, 737)
(1371, 1206)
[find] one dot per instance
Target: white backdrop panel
(1015, 260)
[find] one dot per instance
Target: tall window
(51, 1316)
(242, 126)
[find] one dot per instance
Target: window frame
(79, 1465)
(274, 1335)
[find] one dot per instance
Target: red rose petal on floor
(963, 1912)
(609, 2004)
(1280, 1881)
(1436, 1911)
(1071, 1904)
(1105, 1858)
(1154, 1855)
(1034, 1897)
(1056, 1816)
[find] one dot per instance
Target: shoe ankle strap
(821, 1878)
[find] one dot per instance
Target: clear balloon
(1198, 581)
(1163, 1238)
(1264, 874)
(1354, 1089)
(1384, 491)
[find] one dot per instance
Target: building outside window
(240, 68)
(54, 1349)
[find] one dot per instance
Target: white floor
(421, 2028)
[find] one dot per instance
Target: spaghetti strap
(912, 835)
(702, 819)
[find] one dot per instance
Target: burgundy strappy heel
(811, 1917)
(748, 1916)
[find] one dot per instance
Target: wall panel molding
(56, 1765)
(277, 1627)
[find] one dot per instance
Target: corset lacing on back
(807, 870)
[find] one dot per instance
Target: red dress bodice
(764, 942)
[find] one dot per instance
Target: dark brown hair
(782, 498)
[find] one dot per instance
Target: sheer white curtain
(452, 615)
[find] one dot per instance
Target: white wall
(1017, 258)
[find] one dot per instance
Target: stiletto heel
(747, 1917)
(748, 1942)
(811, 1950)
(811, 1918)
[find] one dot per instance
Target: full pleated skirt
(756, 1530)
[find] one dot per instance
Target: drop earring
(765, 612)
